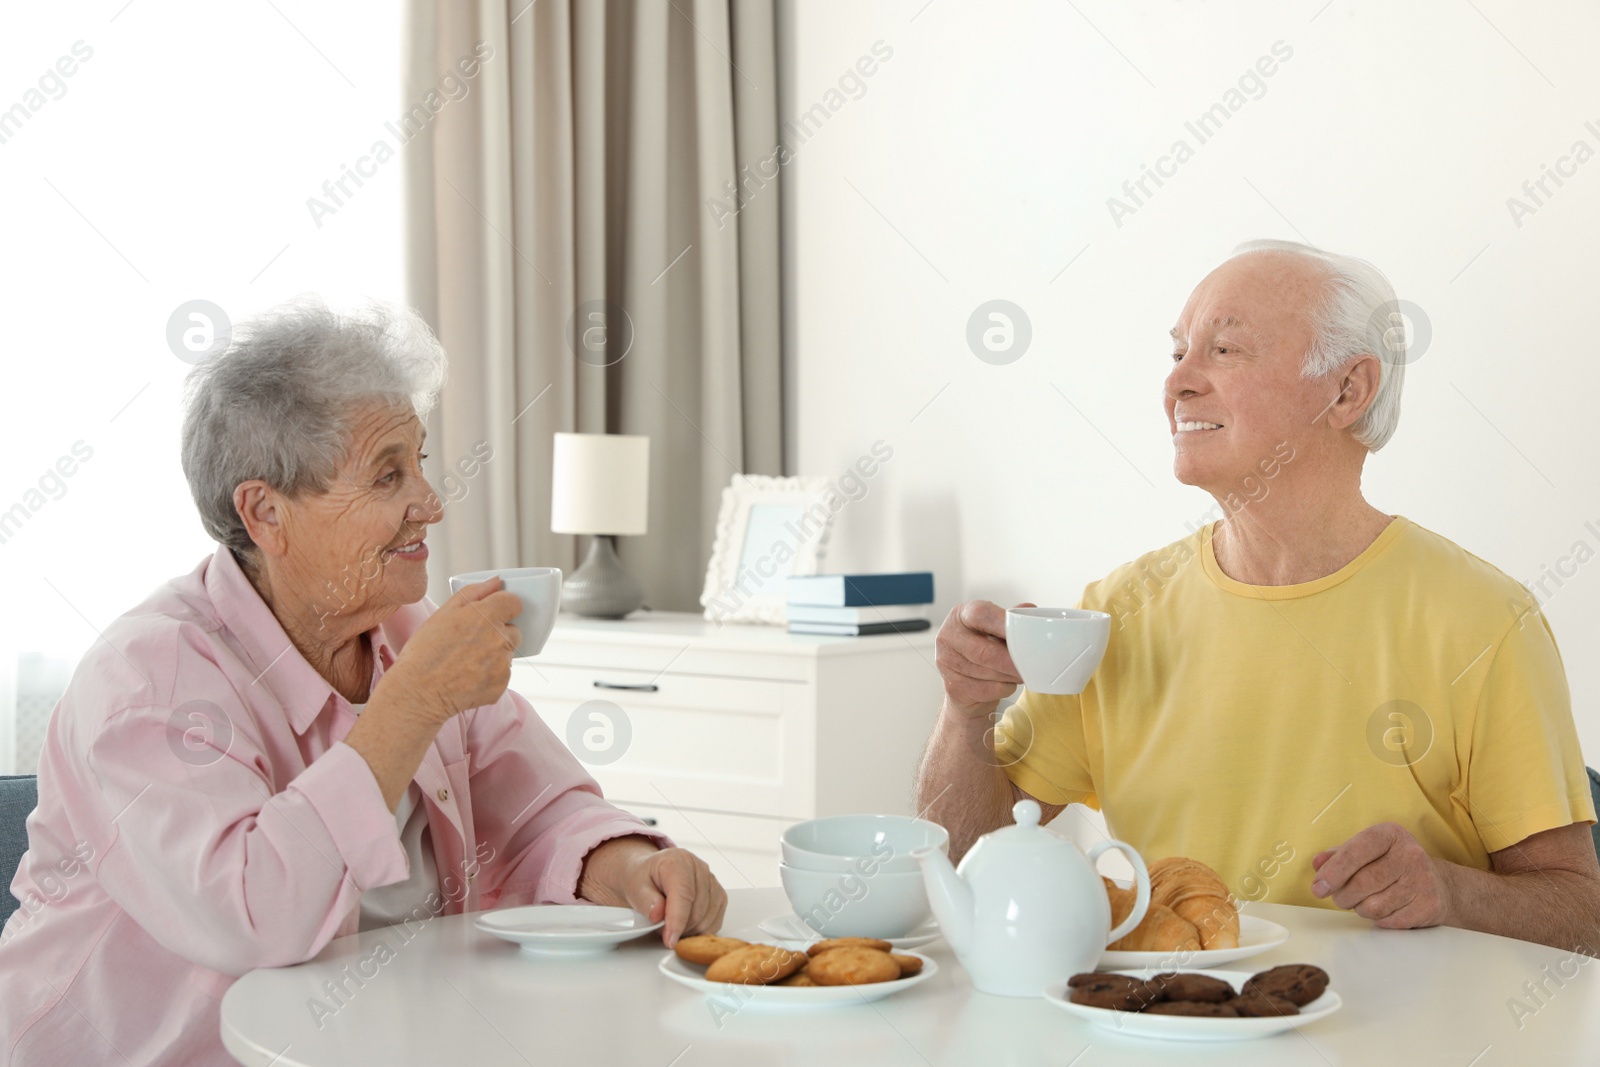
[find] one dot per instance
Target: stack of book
(852, 605)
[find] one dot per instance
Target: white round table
(452, 995)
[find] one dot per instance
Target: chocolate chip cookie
(1115, 991)
(1256, 1004)
(1298, 983)
(1192, 1007)
(1192, 987)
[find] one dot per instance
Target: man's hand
(972, 658)
(670, 883)
(1383, 874)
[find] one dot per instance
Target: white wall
(173, 164)
(978, 163)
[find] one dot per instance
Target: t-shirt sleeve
(1040, 743)
(1526, 772)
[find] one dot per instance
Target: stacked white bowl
(853, 875)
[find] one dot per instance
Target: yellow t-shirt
(1250, 727)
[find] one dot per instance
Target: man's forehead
(1217, 322)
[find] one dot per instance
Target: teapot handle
(1141, 902)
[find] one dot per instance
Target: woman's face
(357, 549)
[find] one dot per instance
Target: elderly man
(1328, 704)
(290, 743)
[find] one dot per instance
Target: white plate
(1189, 1027)
(786, 997)
(566, 929)
(1255, 937)
(790, 928)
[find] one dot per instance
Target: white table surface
(454, 996)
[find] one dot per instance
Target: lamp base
(602, 588)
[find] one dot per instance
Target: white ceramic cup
(540, 591)
(868, 902)
(1056, 650)
(838, 843)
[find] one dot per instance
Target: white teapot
(1026, 908)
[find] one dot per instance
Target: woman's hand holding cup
(460, 657)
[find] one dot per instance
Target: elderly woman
(290, 743)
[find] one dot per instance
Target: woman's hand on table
(660, 883)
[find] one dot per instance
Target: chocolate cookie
(1115, 991)
(1262, 1005)
(1192, 987)
(1086, 978)
(1192, 1007)
(1298, 983)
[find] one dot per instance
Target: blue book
(860, 590)
(904, 626)
(854, 616)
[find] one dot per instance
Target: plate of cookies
(1192, 920)
(1199, 1005)
(844, 970)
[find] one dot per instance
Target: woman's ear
(260, 508)
(1357, 389)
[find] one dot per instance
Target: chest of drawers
(726, 734)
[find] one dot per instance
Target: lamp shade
(600, 484)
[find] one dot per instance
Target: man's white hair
(1360, 316)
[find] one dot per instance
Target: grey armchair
(19, 794)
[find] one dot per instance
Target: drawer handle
(645, 687)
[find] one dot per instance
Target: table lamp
(600, 485)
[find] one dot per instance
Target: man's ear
(260, 507)
(1358, 388)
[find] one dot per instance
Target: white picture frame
(767, 529)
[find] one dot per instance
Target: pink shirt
(199, 816)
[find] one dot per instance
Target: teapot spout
(948, 896)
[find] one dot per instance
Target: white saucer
(790, 928)
(785, 997)
(1188, 1027)
(1255, 937)
(566, 929)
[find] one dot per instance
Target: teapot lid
(1027, 830)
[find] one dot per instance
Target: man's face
(1237, 352)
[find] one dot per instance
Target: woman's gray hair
(277, 403)
(1360, 316)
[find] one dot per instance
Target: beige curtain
(574, 156)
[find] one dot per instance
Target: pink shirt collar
(303, 693)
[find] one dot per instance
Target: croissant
(1190, 908)
(1121, 901)
(1161, 930)
(1215, 920)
